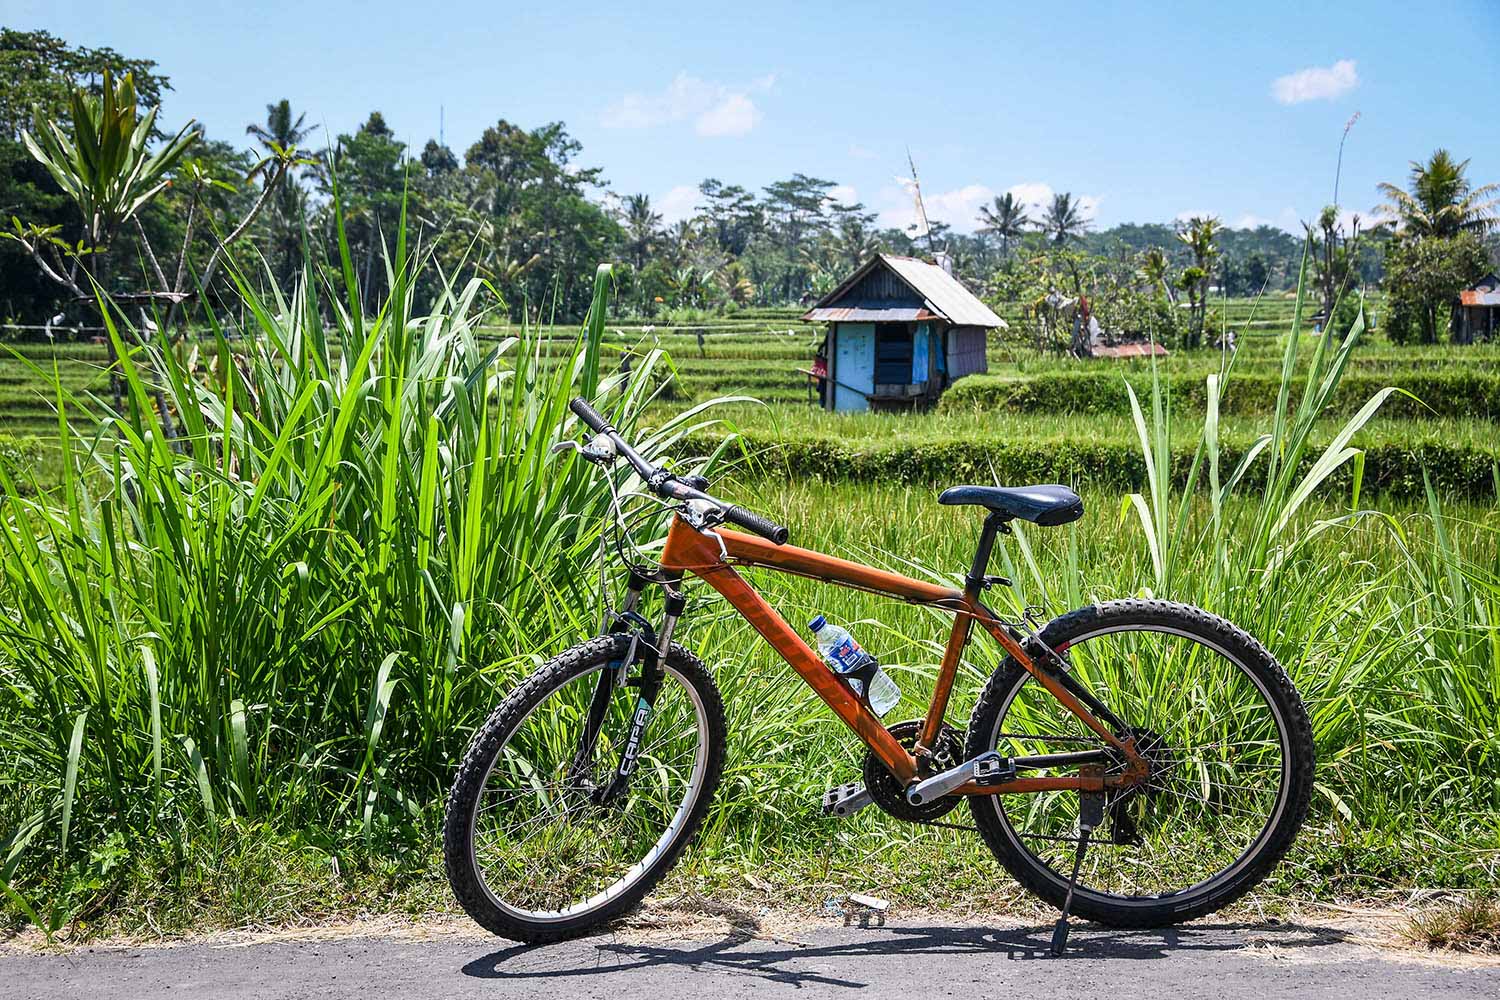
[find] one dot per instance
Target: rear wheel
(1229, 747)
(539, 839)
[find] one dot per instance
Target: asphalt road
(911, 959)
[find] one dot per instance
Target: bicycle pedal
(993, 770)
(845, 800)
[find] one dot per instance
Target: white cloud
(1035, 195)
(844, 194)
(677, 204)
(736, 114)
(858, 152)
(715, 109)
(1316, 83)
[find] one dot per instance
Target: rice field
(238, 671)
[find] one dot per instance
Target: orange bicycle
(1136, 762)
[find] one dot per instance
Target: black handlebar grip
(762, 526)
(589, 415)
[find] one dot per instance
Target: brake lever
(600, 449)
(703, 517)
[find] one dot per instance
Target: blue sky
(1147, 111)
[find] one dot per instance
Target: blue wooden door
(853, 365)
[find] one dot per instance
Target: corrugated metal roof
(942, 294)
(867, 314)
(1474, 297)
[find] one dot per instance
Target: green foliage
(1393, 465)
(1452, 392)
(39, 72)
(1440, 201)
(103, 162)
(1423, 279)
(369, 515)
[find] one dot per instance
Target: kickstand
(1060, 930)
(1090, 815)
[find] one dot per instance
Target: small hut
(900, 330)
(1479, 310)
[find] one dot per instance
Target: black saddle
(1045, 505)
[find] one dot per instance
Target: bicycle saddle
(1044, 505)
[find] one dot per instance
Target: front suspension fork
(655, 646)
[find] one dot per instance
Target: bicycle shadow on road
(744, 951)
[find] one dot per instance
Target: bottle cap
(817, 623)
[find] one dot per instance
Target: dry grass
(1470, 924)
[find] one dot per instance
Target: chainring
(890, 795)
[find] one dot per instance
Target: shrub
(1439, 393)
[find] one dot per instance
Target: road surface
(915, 957)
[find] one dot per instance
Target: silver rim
(543, 807)
(1018, 840)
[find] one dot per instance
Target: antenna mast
(916, 186)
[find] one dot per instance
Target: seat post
(992, 526)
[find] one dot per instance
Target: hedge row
(1390, 469)
(1443, 393)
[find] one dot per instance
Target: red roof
(1131, 351)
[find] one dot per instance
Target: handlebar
(665, 484)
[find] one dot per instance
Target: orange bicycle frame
(688, 550)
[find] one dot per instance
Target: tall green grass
(285, 606)
(278, 618)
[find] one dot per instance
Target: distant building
(1479, 310)
(900, 330)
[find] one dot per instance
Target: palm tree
(1198, 236)
(280, 130)
(1153, 271)
(1006, 218)
(280, 136)
(642, 227)
(736, 283)
(852, 243)
(1441, 202)
(682, 238)
(1064, 219)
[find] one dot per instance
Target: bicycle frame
(688, 550)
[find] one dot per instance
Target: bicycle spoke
(543, 841)
(1214, 751)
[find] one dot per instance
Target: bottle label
(848, 657)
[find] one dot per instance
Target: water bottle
(848, 659)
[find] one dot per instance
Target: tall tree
(544, 234)
(795, 209)
(283, 134)
(1199, 236)
(732, 214)
(367, 168)
(642, 228)
(1064, 220)
(1005, 219)
(1422, 281)
(1439, 200)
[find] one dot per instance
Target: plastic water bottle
(848, 659)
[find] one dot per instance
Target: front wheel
(1227, 740)
(542, 838)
